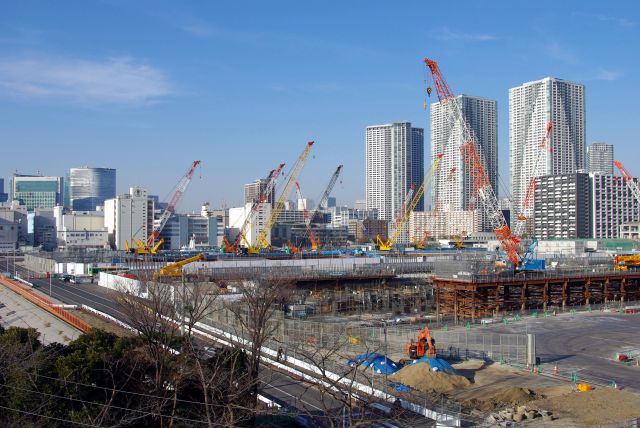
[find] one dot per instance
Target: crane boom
(308, 218)
(326, 193)
(628, 179)
(388, 244)
(405, 203)
(275, 212)
(307, 221)
(476, 166)
(257, 203)
(181, 187)
(527, 206)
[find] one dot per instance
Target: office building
(341, 216)
(37, 191)
(253, 190)
(43, 224)
(190, 231)
(4, 197)
(80, 229)
(8, 236)
(129, 217)
(452, 184)
(394, 160)
(562, 205)
(531, 107)
(600, 158)
(17, 214)
(331, 202)
(613, 204)
(90, 187)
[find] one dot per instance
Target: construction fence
(357, 337)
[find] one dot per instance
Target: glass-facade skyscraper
(90, 187)
(35, 191)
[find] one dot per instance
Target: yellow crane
(175, 269)
(262, 241)
(388, 244)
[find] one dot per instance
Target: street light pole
(50, 277)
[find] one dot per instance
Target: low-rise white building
(129, 217)
(80, 229)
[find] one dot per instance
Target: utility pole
(182, 305)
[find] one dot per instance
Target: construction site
(487, 334)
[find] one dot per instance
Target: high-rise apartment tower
(452, 185)
(600, 158)
(394, 160)
(531, 107)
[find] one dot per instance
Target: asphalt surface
(93, 295)
(585, 344)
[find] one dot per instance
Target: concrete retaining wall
(119, 283)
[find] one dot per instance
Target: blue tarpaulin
(438, 363)
(400, 387)
(378, 363)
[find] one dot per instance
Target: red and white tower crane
(150, 245)
(475, 164)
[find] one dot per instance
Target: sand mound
(421, 377)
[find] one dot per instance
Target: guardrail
(45, 304)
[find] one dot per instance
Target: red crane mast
(476, 166)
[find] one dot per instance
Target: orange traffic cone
(555, 369)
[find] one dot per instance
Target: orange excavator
(425, 345)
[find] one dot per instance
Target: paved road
(92, 295)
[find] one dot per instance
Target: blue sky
(148, 86)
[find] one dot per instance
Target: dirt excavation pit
(601, 406)
(421, 377)
(512, 396)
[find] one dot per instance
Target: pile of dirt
(421, 377)
(597, 407)
(513, 396)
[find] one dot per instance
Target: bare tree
(257, 317)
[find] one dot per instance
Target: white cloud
(609, 75)
(114, 81)
(555, 50)
(446, 34)
(621, 22)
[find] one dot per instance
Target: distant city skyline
(241, 88)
